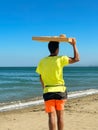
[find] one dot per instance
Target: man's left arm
(42, 82)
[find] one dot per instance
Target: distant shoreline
(36, 66)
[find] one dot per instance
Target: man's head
(53, 47)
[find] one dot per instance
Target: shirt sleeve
(64, 60)
(38, 70)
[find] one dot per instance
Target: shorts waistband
(55, 85)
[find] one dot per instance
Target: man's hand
(73, 42)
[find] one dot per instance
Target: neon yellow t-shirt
(51, 69)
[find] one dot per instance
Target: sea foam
(71, 95)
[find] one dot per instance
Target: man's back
(51, 69)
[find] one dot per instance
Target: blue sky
(22, 19)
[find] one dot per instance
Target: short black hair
(52, 46)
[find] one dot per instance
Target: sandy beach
(80, 114)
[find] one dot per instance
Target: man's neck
(53, 54)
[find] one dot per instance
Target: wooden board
(61, 38)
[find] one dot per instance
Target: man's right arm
(76, 57)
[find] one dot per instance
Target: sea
(20, 86)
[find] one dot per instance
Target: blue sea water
(22, 83)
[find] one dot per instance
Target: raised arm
(76, 57)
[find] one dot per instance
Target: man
(50, 70)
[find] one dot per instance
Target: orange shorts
(53, 105)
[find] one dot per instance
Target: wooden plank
(61, 38)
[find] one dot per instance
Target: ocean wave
(19, 104)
